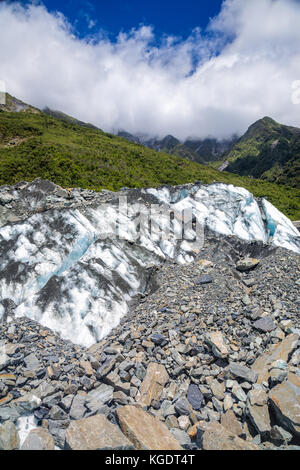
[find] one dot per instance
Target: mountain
(198, 150)
(67, 118)
(269, 151)
(34, 144)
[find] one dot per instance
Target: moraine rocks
(95, 433)
(146, 432)
(187, 368)
(285, 399)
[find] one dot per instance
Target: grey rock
(103, 393)
(66, 402)
(195, 397)
(31, 362)
(265, 324)
(9, 413)
(78, 409)
(242, 372)
(280, 436)
(38, 439)
(57, 413)
(182, 406)
(182, 437)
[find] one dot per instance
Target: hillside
(267, 150)
(34, 144)
(198, 150)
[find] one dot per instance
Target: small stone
(54, 372)
(228, 403)
(103, 393)
(218, 389)
(195, 397)
(216, 437)
(182, 437)
(182, 406)
(257, 397)
(238, 392)
(247, 264)
(280, 436)
(265, 324)
(280, 351)
(57, 413)
(78, 409)
(260, 418)
(31, 362)
(200, 281)
(184, 422)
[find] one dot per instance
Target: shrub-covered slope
(34, 144)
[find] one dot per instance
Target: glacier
(66, 268)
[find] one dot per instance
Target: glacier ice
(66, 268)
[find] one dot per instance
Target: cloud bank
(216, 82)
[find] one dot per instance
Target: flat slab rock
(95, 433)
(285, 399)
(144, 430)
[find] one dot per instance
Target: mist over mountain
(198, 150)
(267, 150)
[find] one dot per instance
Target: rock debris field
(110, 345)
(208, 360)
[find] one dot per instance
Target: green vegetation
(269, 151)
(34, 144)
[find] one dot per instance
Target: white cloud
(245, 70)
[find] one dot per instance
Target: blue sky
(187, 68)
(172, 17)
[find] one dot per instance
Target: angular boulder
(38, 439)
(230, 422)
(216, 340)
(280, 351)
(9, 436)
(144, 430)
(242, 372)
(285, 400)
(95, 433)
(153, 384)
(216, 437)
